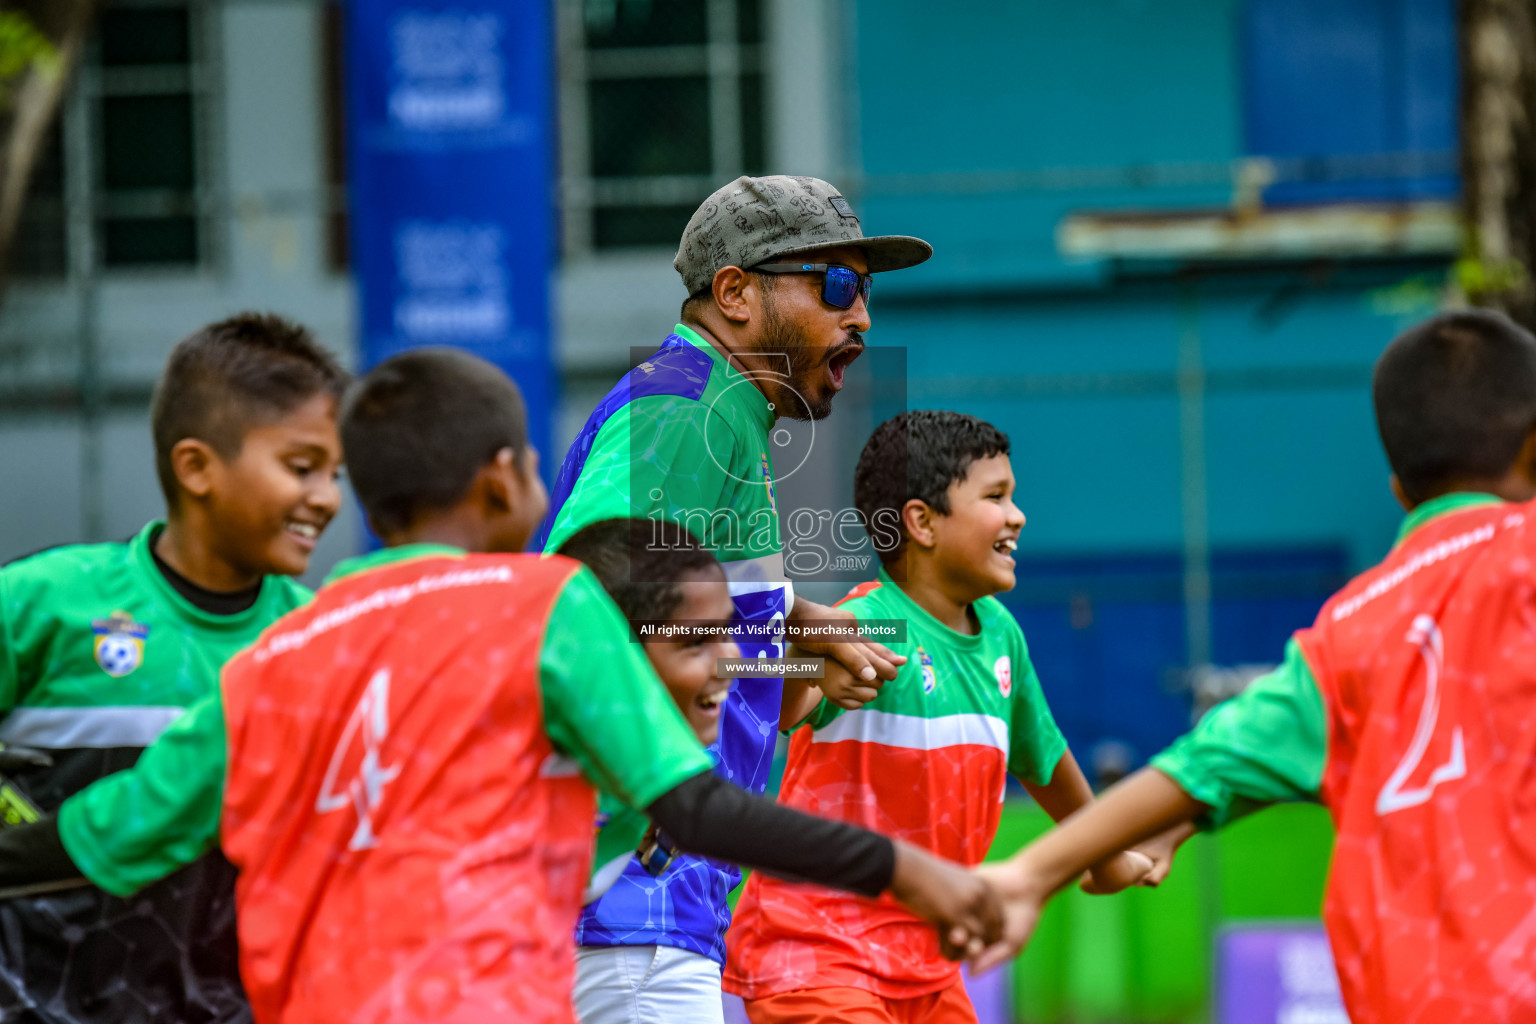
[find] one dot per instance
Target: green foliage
(1478, 278)
(22, 47)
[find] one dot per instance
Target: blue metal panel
(1106, 632)
(1327, 79)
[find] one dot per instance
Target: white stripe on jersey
(913, 733)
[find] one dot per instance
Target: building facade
(1170, 241)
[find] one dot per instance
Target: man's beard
(793, 397)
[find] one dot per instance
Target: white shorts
(646, 985)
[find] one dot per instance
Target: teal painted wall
(1086, 387)
(1022, 85)
(1078, 362)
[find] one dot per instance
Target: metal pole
(1197, 548)
(81, 236)
(1197, 560)
(92, 506)
(726, 157)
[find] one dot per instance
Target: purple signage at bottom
(990, 995)
(1276, 974)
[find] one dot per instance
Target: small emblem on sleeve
(768, 483)
(926, 661)
(119, 643)
(1003, 670)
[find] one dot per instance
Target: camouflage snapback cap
(753, 220)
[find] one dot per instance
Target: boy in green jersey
(103, 645)
(928, 755)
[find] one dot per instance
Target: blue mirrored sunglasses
(839, 284)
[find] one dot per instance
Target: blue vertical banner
(450, 154)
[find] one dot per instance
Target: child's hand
(838, 685)
(1161, 848)
(841, 688)
(1123, 870)
(1022, 900)
(962, 905)
(864, 659)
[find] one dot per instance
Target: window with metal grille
(122, 180)
(661, 103)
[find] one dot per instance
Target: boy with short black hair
(103, 645)
(927, 758)
(400, 769)
(1408, 709)
(673, 592)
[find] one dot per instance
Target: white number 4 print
(1394, 795)
(358, 752)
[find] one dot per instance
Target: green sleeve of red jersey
(10, 662)
(1266, 745)
(605, 706)
(139, 825)
(1035, 743)
(660, 453)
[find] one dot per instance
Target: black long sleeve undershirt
(709, 817)
(33, 853)
(704, 815)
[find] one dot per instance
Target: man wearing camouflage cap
(778, 276)
(787, 225)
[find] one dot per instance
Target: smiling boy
(927, 758)
(103, 645)
(403, 769)
(673, 591)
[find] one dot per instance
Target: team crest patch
(1003, 670)
(119, 643)
(926, 661)
(768, 483)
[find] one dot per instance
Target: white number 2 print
(1395, 796)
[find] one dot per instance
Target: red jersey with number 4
(1427, 668)
(410, 845)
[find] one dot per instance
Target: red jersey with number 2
(411, 847)
(1427, 668)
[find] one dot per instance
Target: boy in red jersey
(400, 770)
(927, 758)
(1408, 709)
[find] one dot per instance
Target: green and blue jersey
(685, 436)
